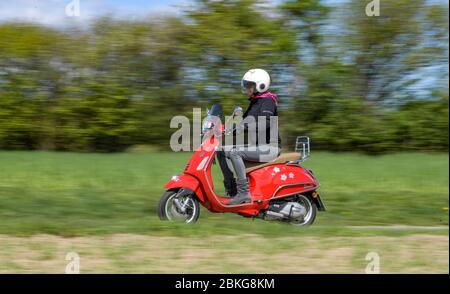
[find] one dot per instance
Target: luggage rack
(303, 147)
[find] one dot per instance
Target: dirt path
(420, 253)
(401, 227)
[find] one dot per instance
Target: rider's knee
(234, 153)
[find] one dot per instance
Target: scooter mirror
(237, 112)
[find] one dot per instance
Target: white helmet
(258, 78)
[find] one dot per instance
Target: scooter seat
(284, 157)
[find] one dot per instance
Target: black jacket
(264, 107)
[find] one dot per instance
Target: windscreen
(216, 110)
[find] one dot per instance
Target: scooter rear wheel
(178, 208)
(311, 211)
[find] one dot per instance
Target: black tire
(163, 202)
(313, 209)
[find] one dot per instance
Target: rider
(263, 104)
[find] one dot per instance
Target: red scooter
(280, 190)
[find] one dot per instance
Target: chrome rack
(303, 147)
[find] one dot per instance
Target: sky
(53, 12)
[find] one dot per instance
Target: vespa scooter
(281, 190)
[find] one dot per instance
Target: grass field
(46, 197)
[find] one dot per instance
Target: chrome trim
(290, 194)
(289, 185)
(202, 163)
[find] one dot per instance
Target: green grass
(82, 194)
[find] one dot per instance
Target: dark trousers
(227, 173)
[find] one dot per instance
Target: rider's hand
(228, 132)
(239, 129)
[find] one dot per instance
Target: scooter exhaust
(274, 214)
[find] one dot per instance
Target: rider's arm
(266, 109)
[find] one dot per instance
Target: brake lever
(229, 132)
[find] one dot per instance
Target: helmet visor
(246, 85)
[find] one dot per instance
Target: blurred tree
(344, 78)
(392, 51)
(29, 82)
(226, 38)
(355, 72)
(308, 18)
(421, 125)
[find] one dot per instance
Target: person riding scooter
(263, 104)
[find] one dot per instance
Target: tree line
(349, 81)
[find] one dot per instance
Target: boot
(243, 194)
(230, 187)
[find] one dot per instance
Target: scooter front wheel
(175, 207)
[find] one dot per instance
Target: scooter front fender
(187, 182)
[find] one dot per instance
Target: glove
(228, 132)
(238, 129)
